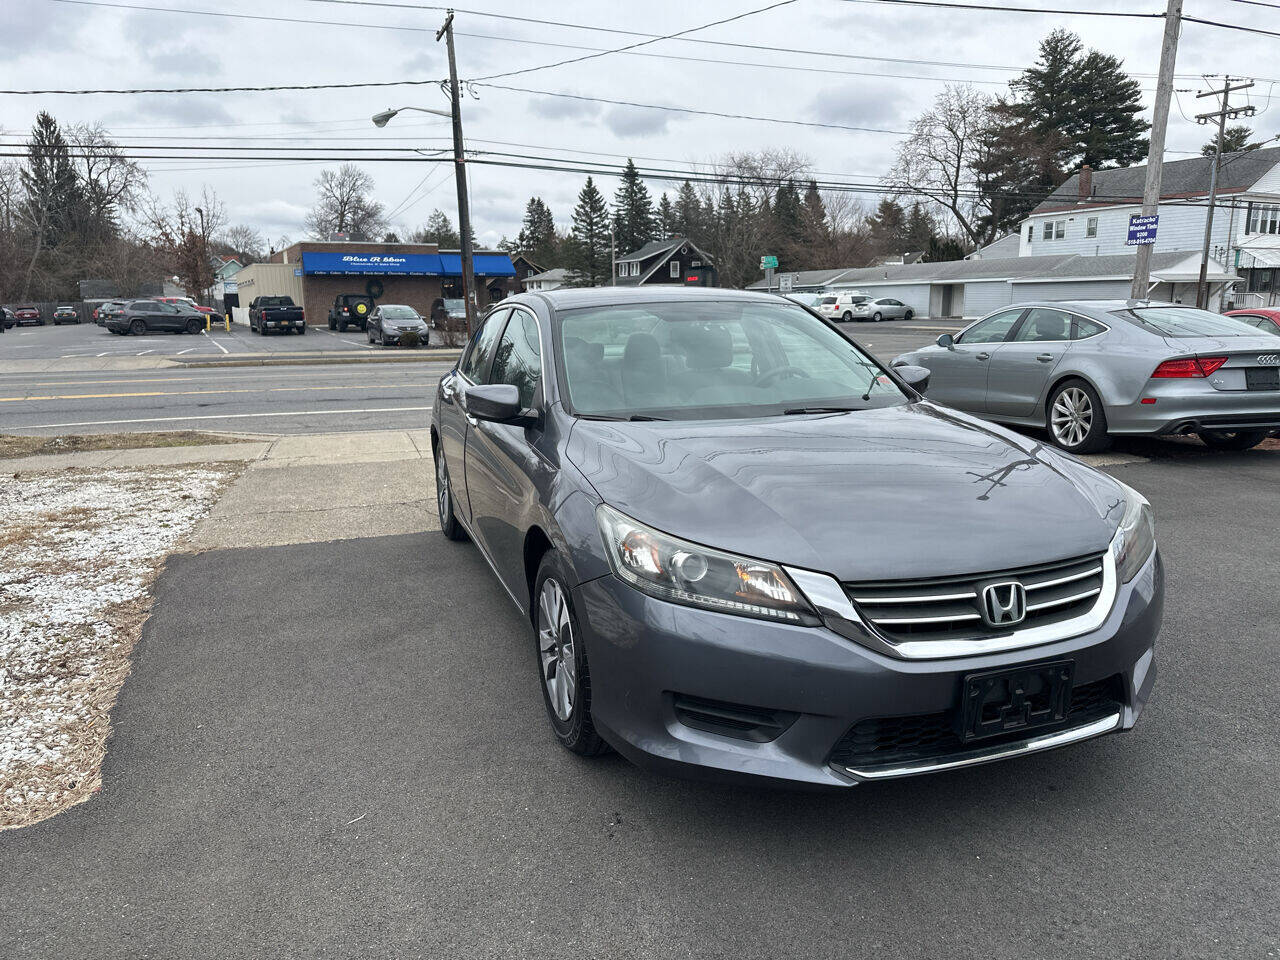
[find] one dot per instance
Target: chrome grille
(949, 608)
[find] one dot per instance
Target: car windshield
(1187, 322)
(398, 312)
(713, 360)
(454, 306)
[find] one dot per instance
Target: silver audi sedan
(1090, 369)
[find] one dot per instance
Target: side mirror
(947, 340)
(915, 377)
(495, 402)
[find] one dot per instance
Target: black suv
(350, 308)
(143, 316)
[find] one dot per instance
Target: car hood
(894, 493)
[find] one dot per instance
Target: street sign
(768, 263)
(1142, 230)
(784, 282)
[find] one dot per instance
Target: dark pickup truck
(271, 314)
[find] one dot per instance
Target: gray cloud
(636, 121)
(557, 108)
(875, 103)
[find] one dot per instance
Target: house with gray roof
(1089, 215)
(674, 261)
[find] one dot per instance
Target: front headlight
(1135, 538)
(672, 569)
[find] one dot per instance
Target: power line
(1232, 26)
(642, 43)
(1258, 3)
(1077, 12)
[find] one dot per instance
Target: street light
(381, 119)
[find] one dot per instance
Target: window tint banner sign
(377, 264)
(1142, 230)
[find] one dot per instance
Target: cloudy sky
(75, 44)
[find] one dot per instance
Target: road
(340, 750)
(282, 399)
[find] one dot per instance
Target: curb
(442, 357)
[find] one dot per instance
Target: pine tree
(787, 229)
(54, 204)
(919, 228)
(1235, 138)
(1107, 127)
(438, 230)
(588, 259)
(888, 227)
(537, 239)
(665, 218)
(688, 218)
(633, 225)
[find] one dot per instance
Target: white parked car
(858, 306)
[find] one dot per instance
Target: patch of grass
(14, 445)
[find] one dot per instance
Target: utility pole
(1224, 111)
(613, 258)
(460, 175)
(1155, 157)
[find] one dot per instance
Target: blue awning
(483, 264)
(339, 263)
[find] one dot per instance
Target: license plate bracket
(998, 702)
(1262, 378)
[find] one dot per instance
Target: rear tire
(846, 316)
(333, 324)
(908, 315)
(877, 317)
(561, 657)
(193, 326)
(449, 524)
(342, 326)
(302, 330)
(1231, 439)
(1075, 418)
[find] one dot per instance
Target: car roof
(574, 297)
(1270, 312)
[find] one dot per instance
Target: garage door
(982, 298)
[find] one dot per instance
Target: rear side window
(477, 359)
(991, 330)
(1084, 329)
(518, 359)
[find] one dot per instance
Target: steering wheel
(777, 373)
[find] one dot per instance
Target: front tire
(1077, 423)
(138, 327)
(846, 316)
(193, 326)
(908, 315)
(877, 317)
(449, 524)
(1231, 439)
(562, 661)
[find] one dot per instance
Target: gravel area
(78, 552)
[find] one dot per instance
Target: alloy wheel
(1072, 417)
(442, 489)
(556, 650)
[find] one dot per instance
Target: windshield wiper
(645, 416)
(798, 410)
(634, 416)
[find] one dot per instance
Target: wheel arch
(536, 545)
(1058, 380)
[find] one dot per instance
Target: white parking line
(145, 352)
(188, 350)
(224, 416)
(214, 342)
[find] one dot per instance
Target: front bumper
(1185, 406)
(651, 659)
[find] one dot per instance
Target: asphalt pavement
(340, 750)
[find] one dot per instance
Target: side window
(477, 359)
(675, 269)
(1048, 229)
(518, 359)
(991, 330)
(1044, 325)
(1083, 329)
(1091, 227)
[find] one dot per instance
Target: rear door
(452, 418)
(1020, 368)
(958, 377)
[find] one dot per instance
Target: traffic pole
(1155, 156)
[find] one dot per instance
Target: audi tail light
(1191, 367)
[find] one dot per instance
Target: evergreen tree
(665, 217)
(787, 231)
(688, 218)
(537, 238)
(942, 249)
(438, 230)
(1106, 128)
(918, 230)
(588, 256)
(888, 227)
(815, 232)
(633, 224)
(53, 204)
(1235, 138)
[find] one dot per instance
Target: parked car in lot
(7, 319)
(276, 315)
(106, 310)
(1088, 370)
(1268, 321)
(747, 548)
(188, 302)
(65, 315)
(144, 316)
(810, 300)
(449, 313)
(389, 321)
(27, 314)
(350, 308)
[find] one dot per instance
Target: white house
(547, 280)
(1089, 216)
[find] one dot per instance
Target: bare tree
(344, 204)
(242, 241)
(112, 183)
(181, 233)
(939, 160)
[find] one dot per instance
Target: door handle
(1045, 357)
(982, 356)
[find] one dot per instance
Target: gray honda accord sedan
(746, 549)
(1089, 369)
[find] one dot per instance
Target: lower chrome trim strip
(986, 755)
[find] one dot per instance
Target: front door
(1019, 369)
(504, 465)
(452, 417)
(958, 376)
